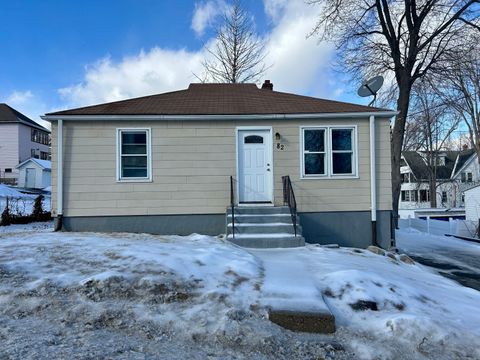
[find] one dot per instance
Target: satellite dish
(371, 87)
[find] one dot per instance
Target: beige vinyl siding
(192, 162)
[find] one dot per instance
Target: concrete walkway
(289, 290)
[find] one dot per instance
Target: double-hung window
(314, 152)
(329, 152)
(134, 155)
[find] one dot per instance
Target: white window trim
(149, 156)
(329, 154)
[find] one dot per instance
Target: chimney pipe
(267, 85)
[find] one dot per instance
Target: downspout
(373, 181)
(58, 225)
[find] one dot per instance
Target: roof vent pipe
(267, 85)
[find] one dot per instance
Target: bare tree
(405, 37)
(435, 124)
(238, 54)
(413, 140)
(459, 85)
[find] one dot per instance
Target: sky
(59, 54)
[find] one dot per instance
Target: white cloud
(275, 8)
(299, 64)
(18, 98)
(150, 72)
(205, 14)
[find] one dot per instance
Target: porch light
(277, 136)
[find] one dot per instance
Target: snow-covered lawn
(456, 258)
(442, 248)
(414, 306)
(86, 295)
(46, 226)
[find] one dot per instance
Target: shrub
(6, 216)
(37, 212)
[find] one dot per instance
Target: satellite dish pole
(371, 87)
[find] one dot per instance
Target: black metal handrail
(289, 199)
(232, 204)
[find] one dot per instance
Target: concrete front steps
(263, 227)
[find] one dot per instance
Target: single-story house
(174, 163)
(34, 173)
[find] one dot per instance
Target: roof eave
(380, 114)
(412, 169)
(20, 121)
(465, 165)
(36, 162)
(37, 126)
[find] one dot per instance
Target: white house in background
(34, 174)
(472, 203)
(20, 139)
(466, 175)
(455, 172)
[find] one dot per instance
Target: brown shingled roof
(220, 99)
(10, 115)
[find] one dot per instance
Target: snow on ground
(412, 305)
(446, 249)
(11, 192)
(35, 226)
(288, 284)
(87, 295)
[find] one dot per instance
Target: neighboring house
(472, 204)
(455, 171)
(20, 139)
(34, 174)
(466, 175)
(162, 164)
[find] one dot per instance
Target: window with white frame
(424, 195)
(466, 177)
(413, 195)
(133, 163)
(444, 197)
(328, 152)
(407, 178)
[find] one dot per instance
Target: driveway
(451, 257)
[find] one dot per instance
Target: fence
(8, 181)
(18, 206)
(439, 227)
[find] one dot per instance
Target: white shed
(472, 203)
(34, 174)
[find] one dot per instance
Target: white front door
(30, 178)
(255, 166)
